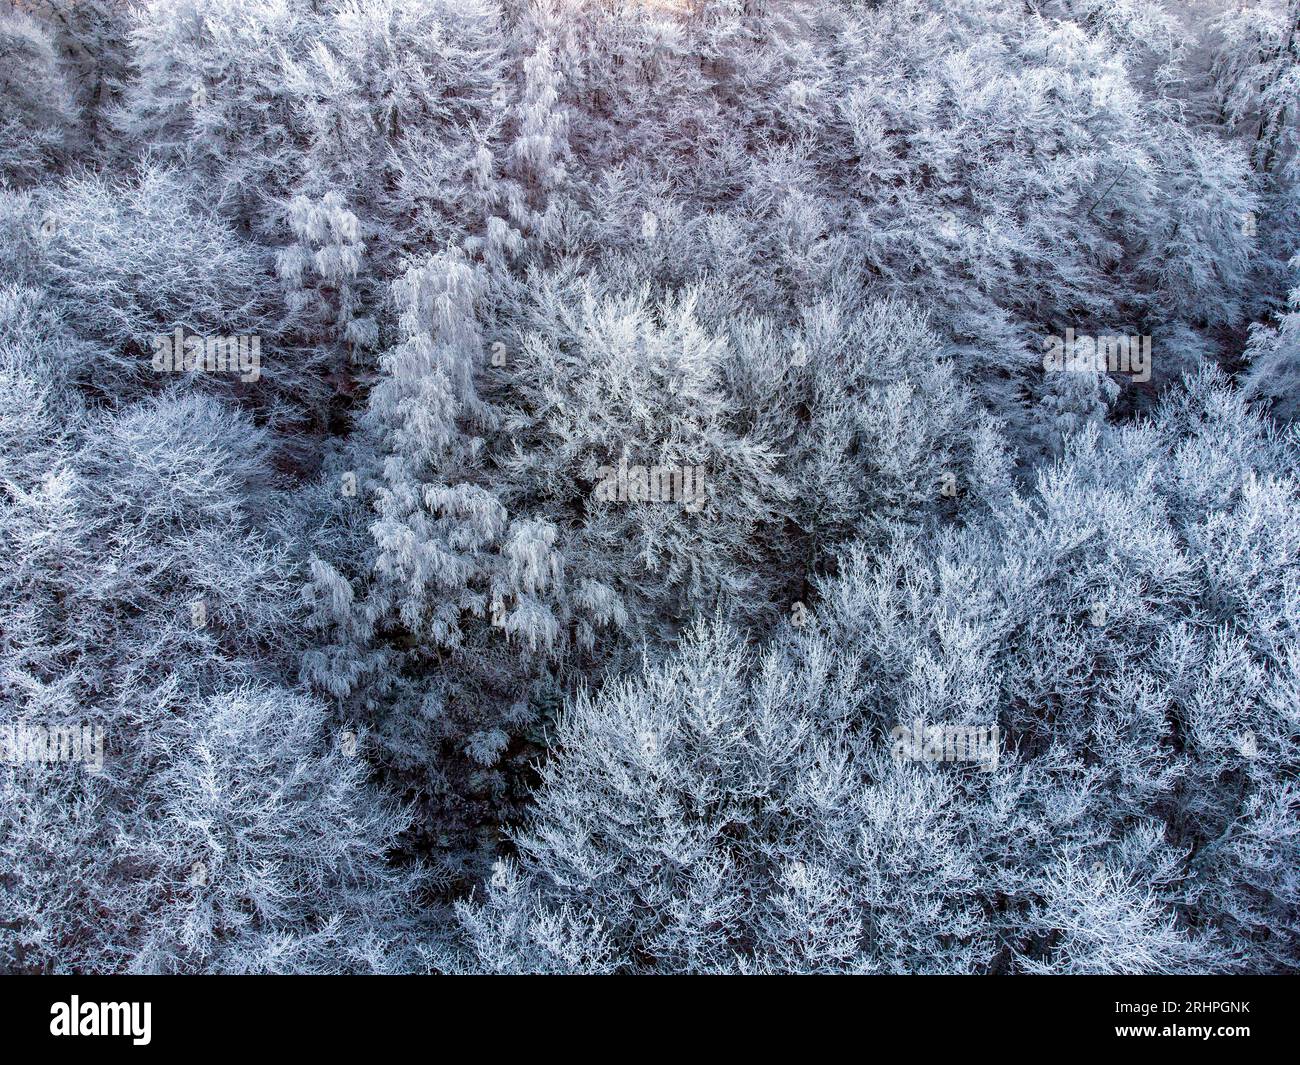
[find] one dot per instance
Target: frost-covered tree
(1256, 77)
(37, 107)
(133, 260)
(92, 39)
(271, 855)
(208, 93)
(1274, 356)
(321, 273)
(399, 97)
(606, 390)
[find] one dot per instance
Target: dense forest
(649, 486)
